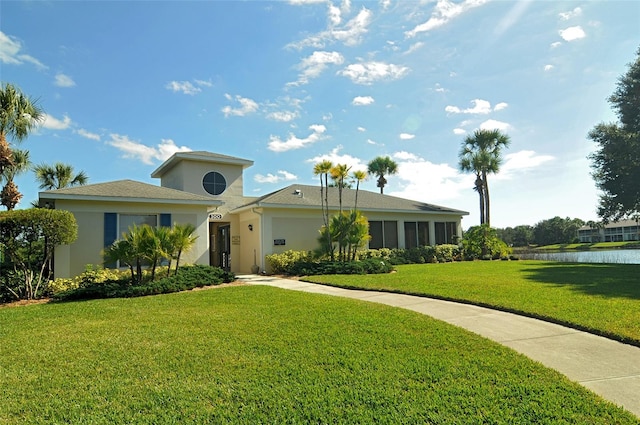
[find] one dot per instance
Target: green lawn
(603, 298)
(253, 354)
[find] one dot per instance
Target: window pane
(128, 220)
(375, 230)
(410, 234)
(451, 232)
(390, 234)
(440, 233)
(423, 233)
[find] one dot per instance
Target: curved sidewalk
(606, 367)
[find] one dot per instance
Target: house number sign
(278, 241)
(215, 216)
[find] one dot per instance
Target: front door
(224, 247)
(220, 245)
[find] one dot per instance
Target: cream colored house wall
(187, 175)
(70, 260)
(299, 228)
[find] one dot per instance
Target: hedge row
(187, 278)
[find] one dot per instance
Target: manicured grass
(251, 355)
(603, 298)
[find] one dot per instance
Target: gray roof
(128, 191)
(199, 156)
(306, 196)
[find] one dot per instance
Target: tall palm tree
(322, 169)
(380, 167)
(358, 176)
(58, 176)
(339, 173)
(482, 154)
(19, 114)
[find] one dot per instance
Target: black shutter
(165, 220)
(110, 234)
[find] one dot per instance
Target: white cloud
(556, 44)
(407, 136)
(315, 64)
(414, 47)
(494, 125)
(281, 175)
(548, 67)
(565, 16)
(439, 89)
(362, 129)
(63, 80)
(10, 52)
(336, 157)
(204, 83)
(479, 107)
(247, 106)
(88, 135)
(184, 87)
(459, 131)
(443, 12)
(292, 142)
(518, 162)
(572, 33)
(362, 100)
(369, 72)
(146, 154)
(52, 123)
(500, 106)
(350, 34)
(283, 116)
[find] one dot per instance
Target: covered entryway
(220, 245)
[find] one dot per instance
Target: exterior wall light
(251, 227)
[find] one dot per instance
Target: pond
(614, 256)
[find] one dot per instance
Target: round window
(214, 183)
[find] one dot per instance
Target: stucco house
(234, 231)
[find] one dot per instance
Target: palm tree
(482, 154)
(358, 176)
(339, 173)
(58, 176)
(381, 166)
(19, 114)
(20, 162)
(322, 169)
(183, 239)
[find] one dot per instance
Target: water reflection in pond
(617, 256)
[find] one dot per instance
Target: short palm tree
(19, 114)
(183, 238)
(10, 196)
(482, 154)
(380, 167)
(58, 176)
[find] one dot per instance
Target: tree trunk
(480, 191)
(486, 198)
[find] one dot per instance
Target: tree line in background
(555, 230)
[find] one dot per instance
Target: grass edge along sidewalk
(255, 354)
(603, 299)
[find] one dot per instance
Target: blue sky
(287, 84)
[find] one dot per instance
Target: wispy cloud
(367, 73)
(480, 106)
(565, 16)
(246, 107)
(293, 142)
(283, 116)
(443, 12)
(350, 34)
(336, 157)
(407, 136)
(147, 154)
(11, 52)
(53, 123)
(312, 66)
(500, 106)
(362, 100)
(62, 80)
(494, 125)
(517, 162)
(572, 33)
(281, 175)
(184, 87)
(87, 134)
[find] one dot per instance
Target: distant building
(234, 231)
(620, 231)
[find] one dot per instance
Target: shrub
(284, 262)
(186, 278)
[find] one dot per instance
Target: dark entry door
(224, 247)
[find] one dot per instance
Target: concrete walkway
(606, 367)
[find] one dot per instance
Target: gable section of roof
(128, 191)
(202, 156)
(305, 196)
